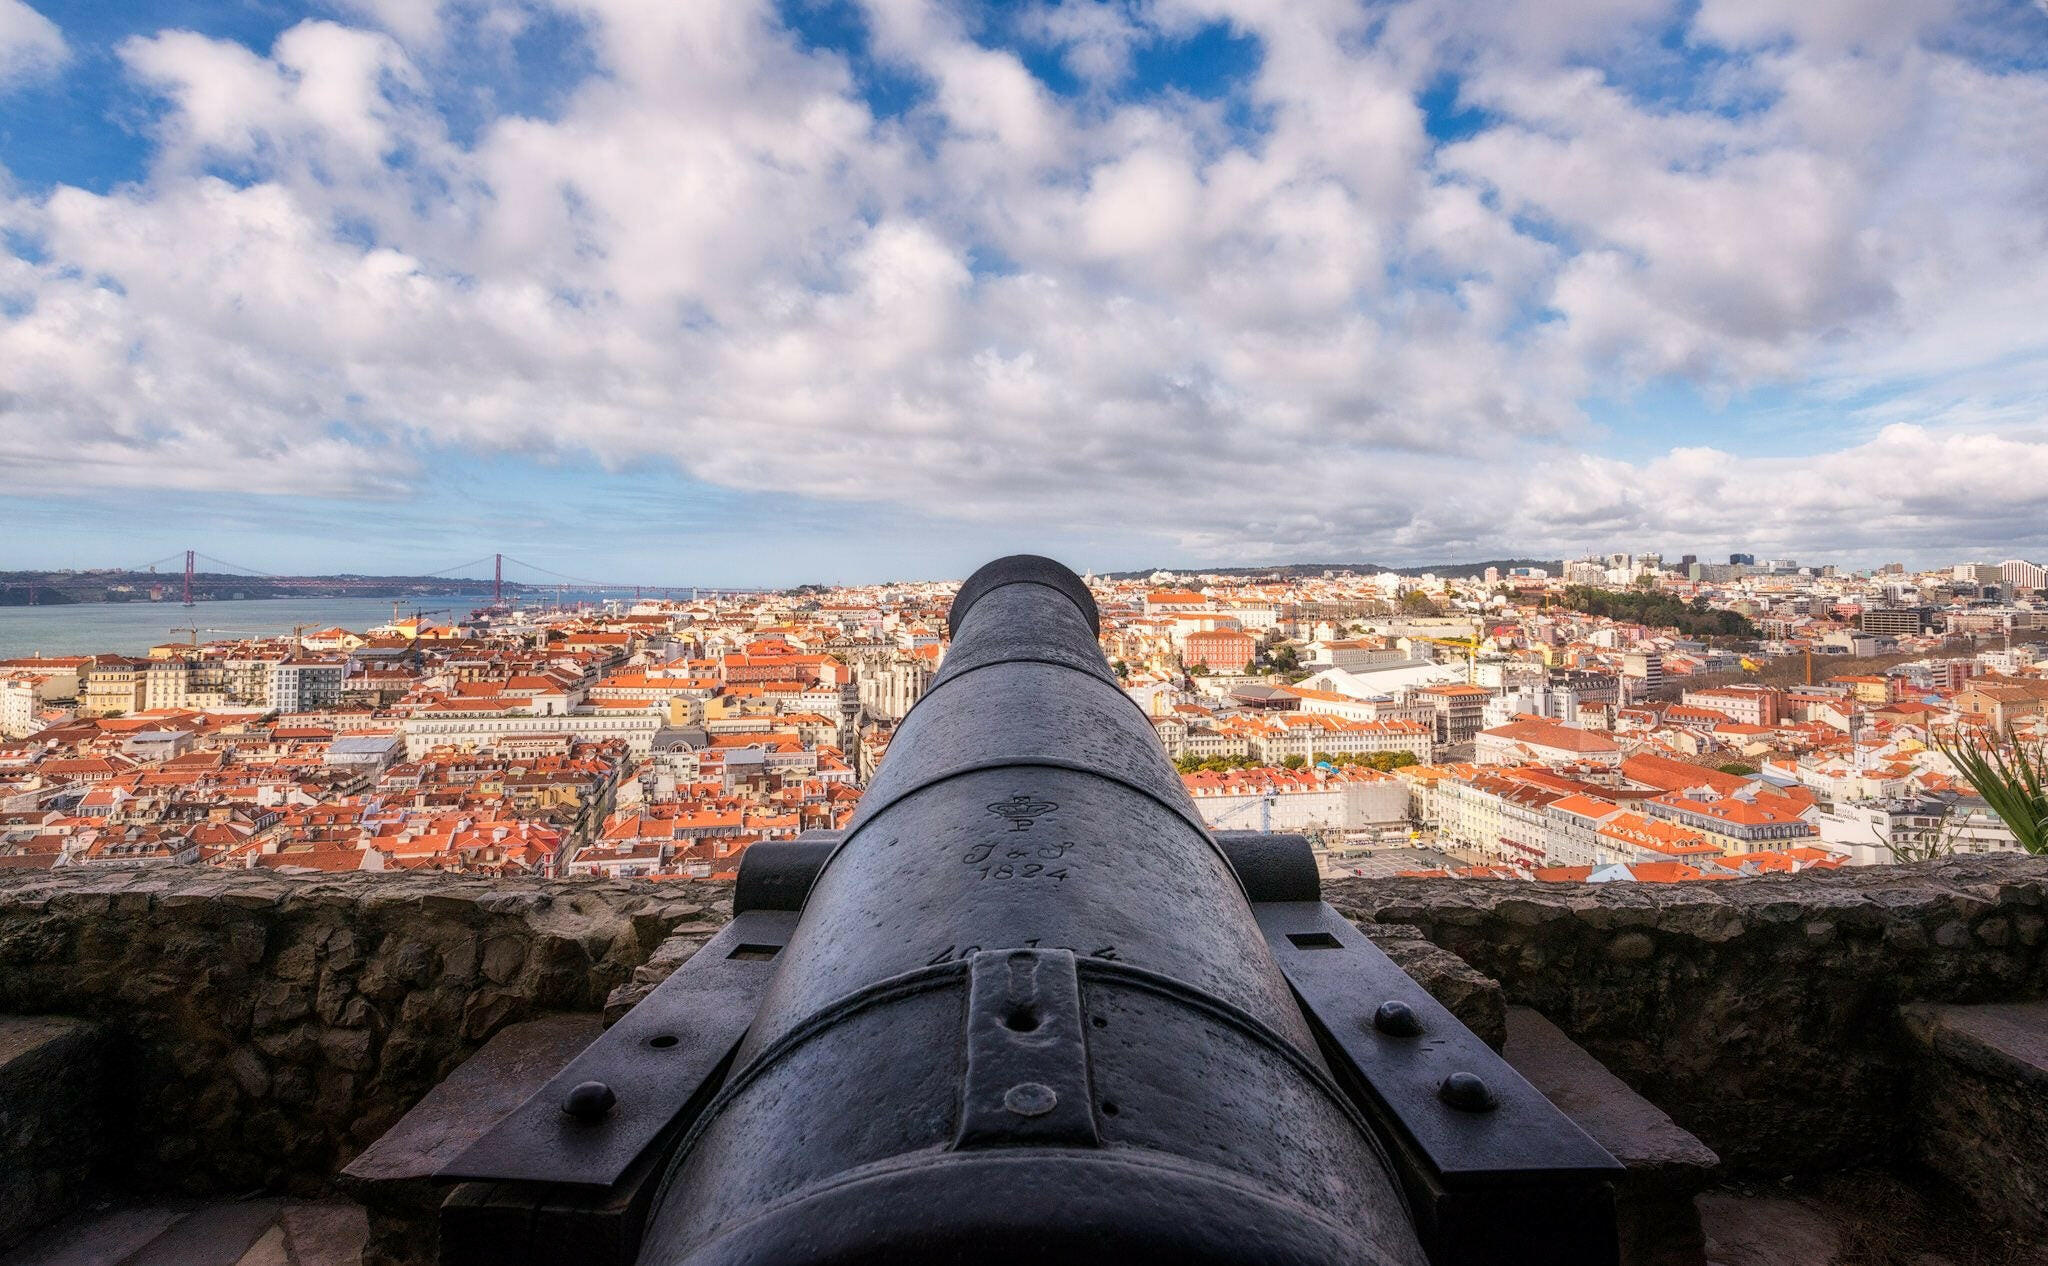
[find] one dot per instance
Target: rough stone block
(53, 1118)
(213, 1235)
(1667, 1167)
(1761, 1231)
(1981, 1093)
(392, 1177)
(479, 1094)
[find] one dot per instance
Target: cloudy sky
(748, 290)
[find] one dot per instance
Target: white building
(302, 685)
(1275, 738)
(18, 705)
(1355, 654)
(1299, 800)
(424, 733)
(1866, 832)
(2016, 574)
(1556, 703)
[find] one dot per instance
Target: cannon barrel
(1027, 1014)
(1026, 1007)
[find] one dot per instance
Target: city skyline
(817, 290)
(537, 579)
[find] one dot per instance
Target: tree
(1737, 767)
(1416, 602)
(1286, 660)
(1199, 670)
(1658, 610)
(1295, 762)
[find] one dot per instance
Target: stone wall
(271, 1027)
(265, 1029)
(53, 1125)
(1762, 1014)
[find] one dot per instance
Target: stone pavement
(264, 1232)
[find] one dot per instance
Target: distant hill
(1288, 571)
(68, 588)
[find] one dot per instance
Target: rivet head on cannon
(589, 1100)
(1030, 1099)
(1396, 1018)
(1467, 1093)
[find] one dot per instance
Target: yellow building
(112, 687)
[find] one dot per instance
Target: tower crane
(1470, 645)
(417, 612)
(1319, 837)
(1264, 805)
(192, 634)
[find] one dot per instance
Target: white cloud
(30, 44)
(1828, 25)
(1331, 336)
(1095, 40)
(417, 23)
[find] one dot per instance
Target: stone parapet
(1762, 1014)
(53, 1123)
(266, 1028)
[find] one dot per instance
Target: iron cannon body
(1027, 1007)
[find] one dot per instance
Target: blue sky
(753, 292)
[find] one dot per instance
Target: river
(131, 628)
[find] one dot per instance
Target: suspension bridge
(524, 574)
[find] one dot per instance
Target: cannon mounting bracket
(659, 1063)
(1493, 1172)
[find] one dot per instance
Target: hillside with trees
(1658, 610)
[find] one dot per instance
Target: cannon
(1027, 1007)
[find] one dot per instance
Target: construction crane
(417, 612)
(192, 634)
(1320, 838)
(1265, 807)
(1469, 645)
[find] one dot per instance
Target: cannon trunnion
(1026, 1007)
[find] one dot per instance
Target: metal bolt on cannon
(1026, 1007)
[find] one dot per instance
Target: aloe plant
(2012, 777)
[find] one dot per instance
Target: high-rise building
(1642, 673)
(299, 685)
(2016, 574)
(1742, 560)
(1896, 621)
